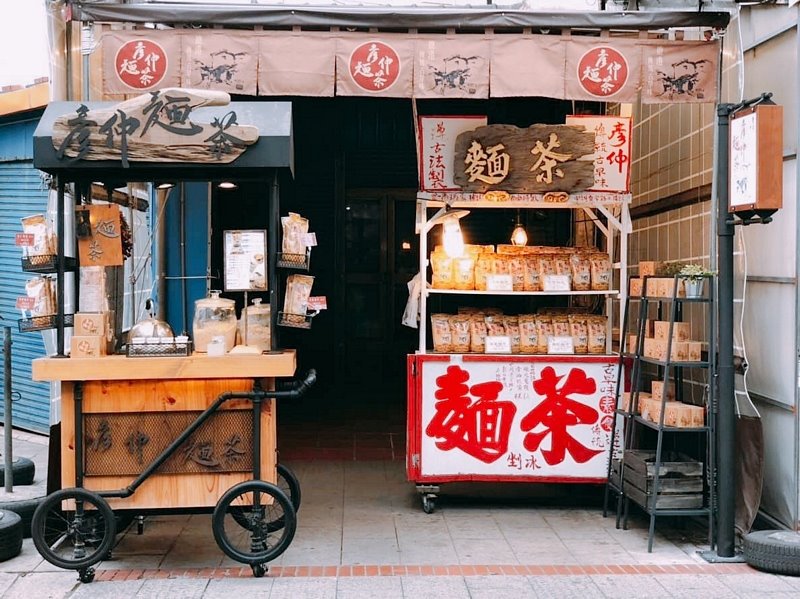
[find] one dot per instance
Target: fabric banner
(296, 64)
(136, 62)
(603, 69)
(375, 65)
(684, 72)
(527, 66)
(221, 61)
(452, 67)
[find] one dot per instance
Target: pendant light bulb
(452, 238)
(519, 236)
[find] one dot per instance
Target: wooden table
(131, 408)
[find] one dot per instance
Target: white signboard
(245, 260)
(437, 143)
(511, 417)
(743, 161)
(612, 150)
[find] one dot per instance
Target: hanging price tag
(25, 302)
(318, 302)
(24, 239)
(556, 283)
(310, 240)
(499, 283)
(497, 344)
(560, 345)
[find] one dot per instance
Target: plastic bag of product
(512, 330)
(459, 331)
(442, 335)
(493, 311)
(483, 267)
(464, 273)
(544, 330)
(561, 326)
(563, 266)
(501, 264)
(495, 325)
(581, 271)
(596, 325)
(580, 333)
(295, 303)
(528, 335)
(516, 265)
(477, 333)
(601, 272)
(547, 265)
(43, 293)
(442, 267)
(532, 281)
(43, 237)
(295, 228)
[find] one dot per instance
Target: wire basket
(42, 323)
(158, 350)
(296, 321)
(45, 263)
(295, 261)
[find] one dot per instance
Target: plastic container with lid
(258, 319)
(214, 316)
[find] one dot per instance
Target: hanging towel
(411, 313)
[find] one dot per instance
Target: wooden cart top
(196, 366)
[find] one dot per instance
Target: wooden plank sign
(539, 159)
(154, 127)
(99, 231)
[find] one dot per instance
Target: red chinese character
(141, 63)
(557, 412)
(619, 158)
(607, 404)
(479, 428)
(618, 132)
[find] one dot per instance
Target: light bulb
(519, 236)
(452, 239)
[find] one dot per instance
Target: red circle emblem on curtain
(374, 66)
(602, 71)
(141, 63)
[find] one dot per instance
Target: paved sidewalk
(362, 534)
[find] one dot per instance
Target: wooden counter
(134, 407)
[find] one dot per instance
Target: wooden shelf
(196, 366)
(556, 293)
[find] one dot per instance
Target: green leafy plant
(694, 272)
(670, 269)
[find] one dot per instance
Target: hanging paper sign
(497, 344)
(318, 302)
(310, 240)
(437, 142)
(245, 260)
(612, 150)
(25, 303)
(24, 240)
(99, 231)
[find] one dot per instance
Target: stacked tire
(775, 551)
(10, 535)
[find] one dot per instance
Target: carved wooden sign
(539, 159)
(154, 127)
(99, 232)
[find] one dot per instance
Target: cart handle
(292, 390)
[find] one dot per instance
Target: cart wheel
(258, 570)
(243, 522)
(288, 483)
(428, 504)
(77, 537)
(86, 575)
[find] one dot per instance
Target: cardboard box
(632, 344)
(635, 289)
(88, 346)
(649, 269)
(683, 415)
(657, 387)
(625, 400)
(694, 351)
(650, 409)
(96, 323)
(657, 350)
(663, 287)
(649, 329)
(681, 331)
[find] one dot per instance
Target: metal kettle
(150, 326)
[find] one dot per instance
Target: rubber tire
(55, 499)
(292, 484)
(23, 471)
(775, 551)
(10, 535)
(289, 524)
(24, 509)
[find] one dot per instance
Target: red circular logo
(607, 404)
(141, 64)
(374, 66)
(606, 422)
(602, 71)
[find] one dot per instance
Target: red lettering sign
(602, 71)
(374, 66)
(24, 239)
(141, 64)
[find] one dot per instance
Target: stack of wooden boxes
(680, 479)
(93, 334)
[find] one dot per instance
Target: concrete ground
(362, 534)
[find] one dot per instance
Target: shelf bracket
(596, 220)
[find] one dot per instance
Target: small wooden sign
(99, 231)
(539, 159)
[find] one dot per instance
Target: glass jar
(258, 320)
(214, 316)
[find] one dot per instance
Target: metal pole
(8, 457)
(726, 416)
(184, 300)
(272, 241)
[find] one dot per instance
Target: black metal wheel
(258, 570)
(288, 483)
(86, 575)
(428, 504)
(243, 522)
(76, 535)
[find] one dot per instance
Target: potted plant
(693, 276)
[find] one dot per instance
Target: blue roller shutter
(21, 193)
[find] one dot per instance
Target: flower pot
(693, 287)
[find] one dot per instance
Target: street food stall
(162, 422)
(515, 379)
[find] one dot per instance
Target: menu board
(245, 260)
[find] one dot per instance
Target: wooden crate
(672, 463)
(680, 484)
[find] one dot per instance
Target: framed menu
(245, 260)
